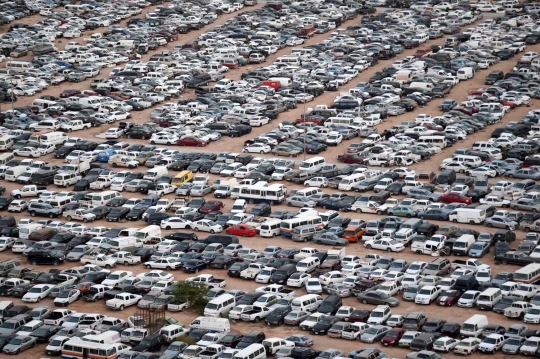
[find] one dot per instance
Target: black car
(117, 214)
(94, 277)
(231, 340)
(6, 338)
(145, 254)
(315, 147)
(249, 298)
(239, 130)
(252, 337)
(451, 330)
(277, 316)
(322, 327)
(101, 211)
(45, 332)
(433, 325)
(222, 262)
(63, 151)
(135, 214)
(5, 201)
(235, 269)
(152, 343)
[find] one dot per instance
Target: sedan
(298, 201)
(175, 223)
(19, 343)
(296, 317)
(200, 190)
(300, 340)
(385, 244)
(27, 152)
(501, 222)
(403, 211)
(206, 225)
(331, 239)
(479, 249)
(374, 334)
(194, 266)
(378, 298)
(257, 148)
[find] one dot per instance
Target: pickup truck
(370, 259)
(99, 259)
(255, 314)
(209, 280)
(162, 189)
(123, 300)
(8, 285)
(251, 271)
(517, 309)
(210, 338)
(30, 190)
(212, 351)
(472, 264)
(95, 293)
(354, 331)
(278, 290)
(126, 258)
(178, 305)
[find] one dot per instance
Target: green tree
(193, 293)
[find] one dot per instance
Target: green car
(403, 211)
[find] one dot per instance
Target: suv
(414, 321)
(43, 209)
(439, 267)
(251, 338)
(7, 266)
(36, 257)
(504, 235)
(261, 210)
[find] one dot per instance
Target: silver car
(374, 334)
(77, 252)
(298, 201)
(200, 190)
(19, 344)
(410, 293)
(512, 345)
(501, 222)
(296, 317)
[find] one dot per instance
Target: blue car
(194, 266)
(479, 249)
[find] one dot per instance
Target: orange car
(353, 234)
(84, 286)
(242, 230)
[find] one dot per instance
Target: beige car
(123, 161)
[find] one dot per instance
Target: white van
(348, 182)
(19, 66)
(43, 104)
(308, 192)
(312, 165)
(108, 337)
(288, 60)
(6, 142)
(488, 298)
(118, 243)
(102, 198)
(270, 228)
(308, 265)
(253, 351)
(61, 203)
(467, 215)
(29, 327)
(439, 141)
(465, 73)
(462, 245)
(214, 324)
(147, 233)
(65, 179)
(173, 331)
(239, 206)
(469, 161)
(25, 231)
(55, 138)
(156, 173)
(13, 172)
(6, 157)
(473, 326)
(219, 306)
(272, 35)
(307, 303)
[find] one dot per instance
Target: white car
(258, 121)
(298, 279)
(162, 263)
(18, 205)
(175, 223)
(66, 297)
(492, 343)
(37, 293)
(265, 274)
(257, 148)
(385, 244)
(207, 225)
(427, 294)
(533, 315)
(114, 132)
(468, 299)
(445, 344)
(27, 152)
(313, 286)
(163, 139)
(467, 346)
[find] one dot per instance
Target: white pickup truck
(123, 300)
(278, 290)
(126, 258)
(209, 280)
(28, 191)
(99, 259)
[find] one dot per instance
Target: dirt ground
(227, 144)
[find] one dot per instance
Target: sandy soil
(227, 144)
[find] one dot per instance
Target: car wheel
(369, 246)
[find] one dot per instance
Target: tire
(69, 218)
(489, 225)
(108, 266)
(126, 263)
(358, 210)
(122, 307)
(388, 250)
(56, 263)
(168, 268)
(33, 214)
(34, 263)
(364, 301)
(369, 246)
(85, 220)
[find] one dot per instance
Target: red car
(191, 141)
(360, 315)
(69, 93)
(392, 337)
(211, 206)
(454, 197)
(319, 120)
(449, 298)
(242, 230)
(351, 158)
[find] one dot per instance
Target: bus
(438, 141)
(287, 226)
(527, 274)
(273, 194)
(80, 349)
